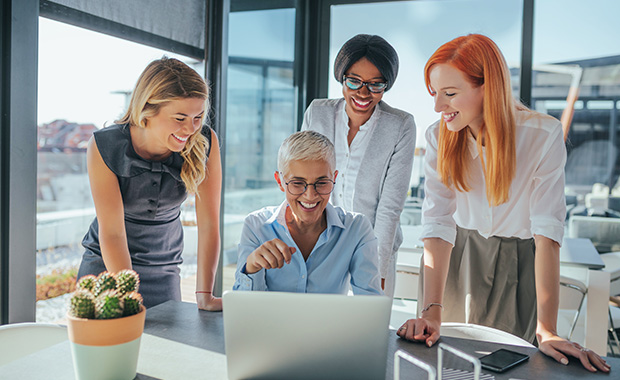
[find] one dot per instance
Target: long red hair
(481, 62)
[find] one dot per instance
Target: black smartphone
(502, 359)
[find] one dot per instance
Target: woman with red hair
(494, 197)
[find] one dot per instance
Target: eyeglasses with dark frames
(356, 84)
(298, 187)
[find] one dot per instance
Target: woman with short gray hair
(306, 245)
(374, 142)
(306, 146)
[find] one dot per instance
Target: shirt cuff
(446, 233)
(254, 281)
(385, 263)
(548, 227)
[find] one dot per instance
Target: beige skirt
(491, 283)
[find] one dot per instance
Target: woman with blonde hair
(494, 209)
(141, 170)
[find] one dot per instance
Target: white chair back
(21, 339)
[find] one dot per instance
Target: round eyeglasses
(298, 187)
(356, 84)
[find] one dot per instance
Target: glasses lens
(352, 83)
(377, 87)
(324, 187)
(296, 187)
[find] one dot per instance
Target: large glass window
(261, 113)
(577, 78)
(85, 81)
(416, 29)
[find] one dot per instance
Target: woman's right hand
(420, 330)
(271, 255)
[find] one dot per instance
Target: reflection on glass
(85, 79)
(261, 113)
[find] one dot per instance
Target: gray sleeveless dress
(152, 193)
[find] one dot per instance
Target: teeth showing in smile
(181, 139)
(309, 205)
(449, 116)
(361, 104)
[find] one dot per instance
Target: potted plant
(106, 321)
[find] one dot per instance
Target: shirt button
(154, 184)
(347, 155)
(340, 195)
(151, 201)
(303, 276)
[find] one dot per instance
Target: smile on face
(176, 121)
(361, 103)
(457, 99)
(307, 208)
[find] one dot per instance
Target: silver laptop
(276, 335)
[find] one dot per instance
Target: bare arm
(110, 211)
(208, 200)
(547, 267)
(436, 264)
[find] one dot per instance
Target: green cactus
(86, 282)
(127, 281)
(108, 305)
(82, 304)
(106, 296)
(132, 303)
(105, 281)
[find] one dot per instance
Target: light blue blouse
(346, 252)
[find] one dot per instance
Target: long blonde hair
(161, 81)
(481, 61)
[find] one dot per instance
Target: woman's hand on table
(420, 330)
(207, 302)
(558, 348)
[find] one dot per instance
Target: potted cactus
(106, 320)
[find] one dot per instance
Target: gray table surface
(181, 342)
(580, 252)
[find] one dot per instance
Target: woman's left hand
(558, 348)
(207, 302)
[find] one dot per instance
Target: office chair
(572, 295)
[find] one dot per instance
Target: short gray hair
(306, 146)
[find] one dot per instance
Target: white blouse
(536, 204)
(349, 158)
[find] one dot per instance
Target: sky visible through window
(83, 75)
(564, 30)
(81, 72)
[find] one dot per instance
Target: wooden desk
(181, 342)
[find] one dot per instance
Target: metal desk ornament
(433, 374)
